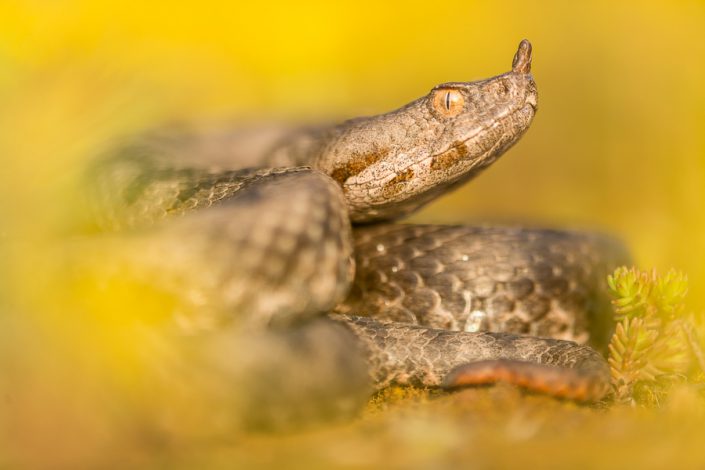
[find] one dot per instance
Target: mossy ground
(496, 427)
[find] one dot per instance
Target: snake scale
(284, 236)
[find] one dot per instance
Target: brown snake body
(258, 231)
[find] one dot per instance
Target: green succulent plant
(654, 343)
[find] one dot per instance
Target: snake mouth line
(456, 145)
(461, 143)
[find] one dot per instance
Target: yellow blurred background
(618, 144)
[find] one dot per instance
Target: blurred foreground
(617, 145)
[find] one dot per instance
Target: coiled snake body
(256, 235)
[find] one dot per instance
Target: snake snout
(522, 59)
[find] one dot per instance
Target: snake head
(392, 164)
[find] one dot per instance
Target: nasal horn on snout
(522, 59)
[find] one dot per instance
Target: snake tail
(427, 357)
(559, 382)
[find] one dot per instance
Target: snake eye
(448, 102)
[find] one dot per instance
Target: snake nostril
(531, 100)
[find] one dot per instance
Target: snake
(288, 236)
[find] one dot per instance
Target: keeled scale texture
(536, 282)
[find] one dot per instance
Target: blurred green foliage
(653, 339)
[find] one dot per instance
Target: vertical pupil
(448, 100)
